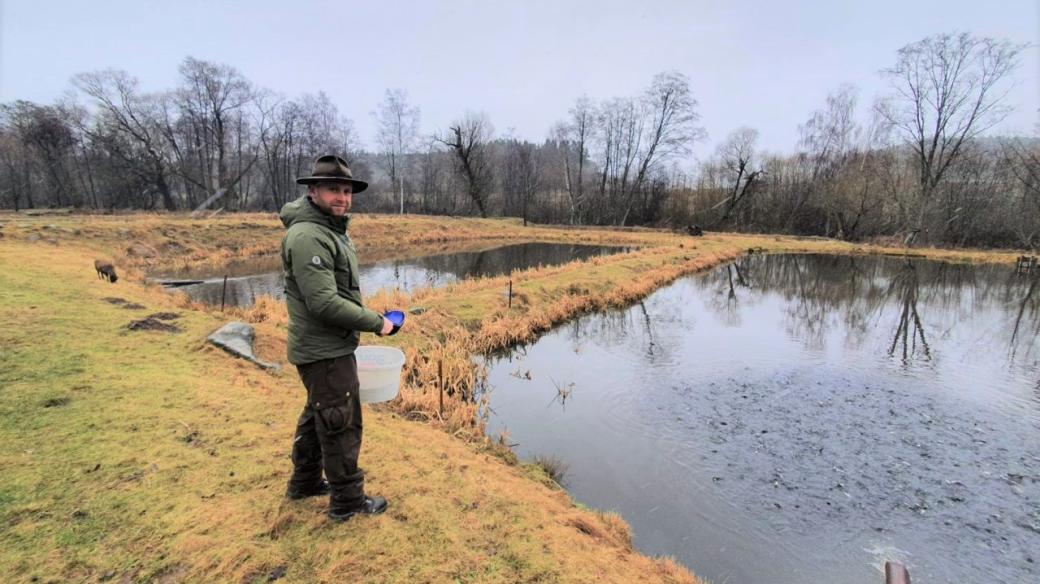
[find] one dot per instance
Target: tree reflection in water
(930, 299)
(1029, 309)
(727, 281)
(905, 287)
(795, 399)
(621, 327)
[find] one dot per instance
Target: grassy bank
(140, 455)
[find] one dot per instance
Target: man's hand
(387, 327)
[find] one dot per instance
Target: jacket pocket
(355, 282)
(346, 273)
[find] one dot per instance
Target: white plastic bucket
(379, 371)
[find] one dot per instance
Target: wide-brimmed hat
(332, 168)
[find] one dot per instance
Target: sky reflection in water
(250, 280)
(785, 418)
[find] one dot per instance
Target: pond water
(250, 279)
(797, 418)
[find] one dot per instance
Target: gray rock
(417, 310)
(237, 338)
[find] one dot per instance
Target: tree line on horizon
(922, 168)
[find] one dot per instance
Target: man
(326, 319)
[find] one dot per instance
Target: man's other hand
(387, 327)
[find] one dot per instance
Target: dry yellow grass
(148, 456)
(165, 460)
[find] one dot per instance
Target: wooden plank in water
(896, 573)
(178, 283)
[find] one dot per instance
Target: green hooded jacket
(319, 262)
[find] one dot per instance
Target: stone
(237, 338)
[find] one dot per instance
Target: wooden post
(440, 385)
(896, 573)
(510, 294)
(223, 294)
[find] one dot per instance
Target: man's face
(332, 198)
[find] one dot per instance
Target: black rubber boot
(370, 506)
(294, 493)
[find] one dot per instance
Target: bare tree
(671, 116)
(48, 136)
(736, 155)
(574, 136)
(469, 139)
(636, 135)
(521, 176)
(828, 138)
(129, 124)
(396, 132)
(844, 164)
(830, 132)
(211, 103)
(1023, 159)
(949, 89)
(17, 159)
(620, 135)
(434, 173)
(613, 161)
(278, 147)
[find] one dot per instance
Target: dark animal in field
(105, 270)
(694, 230)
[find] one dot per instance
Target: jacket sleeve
(312, 268)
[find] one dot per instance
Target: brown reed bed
(462, 320)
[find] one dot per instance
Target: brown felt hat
(332, 168)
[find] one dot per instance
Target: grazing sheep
(105, 270)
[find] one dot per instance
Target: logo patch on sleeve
(316, 260)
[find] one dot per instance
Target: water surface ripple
(787, 418)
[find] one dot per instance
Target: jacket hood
(302, 210)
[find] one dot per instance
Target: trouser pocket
(334, 419)
(332, 398)
(330, 382)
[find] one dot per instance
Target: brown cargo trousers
(328, 433)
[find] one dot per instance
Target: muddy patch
(56, 402)
(123, 303)
(152, 324)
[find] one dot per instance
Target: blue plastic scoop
(396, 317)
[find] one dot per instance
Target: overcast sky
(764, 64)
